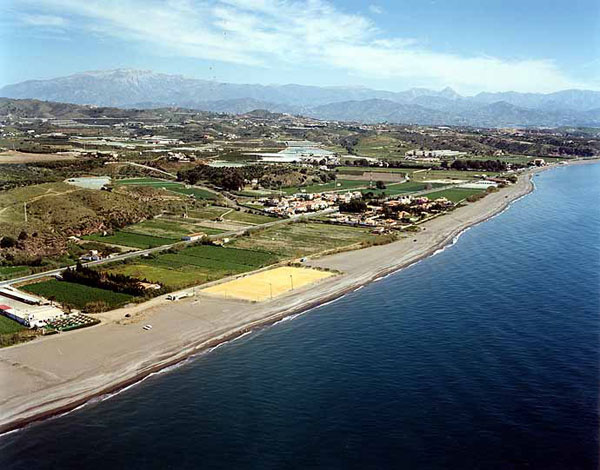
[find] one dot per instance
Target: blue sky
(472, 46)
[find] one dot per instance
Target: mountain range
(127, 88)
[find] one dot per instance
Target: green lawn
(454, 194)
(77, 295)
(134, 240)
(8, 326)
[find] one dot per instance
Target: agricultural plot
(381, 146)
(208, 212)
(338, 185)
(9, 272)
(168, 185)
(8, 326)
(423, 175)
(402, 188)
(247, 218)
(171, 278)
(77, 296)
(195, 265)
(359, 170)
(300, 239)
(134, 240)
(454, 194)
(267, 284)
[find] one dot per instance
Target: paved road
(137, 253)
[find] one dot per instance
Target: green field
(402, 188)
(168, 185)
(195, 265)
(247, 218)
(8, 326)
(337, 185)
(134, 240)
(301, 239)
(449, 174)
(208, 212)
(77, 295)
(454, 194)
(418, 174)
(381, 146)
(359, 170)
(8, 272)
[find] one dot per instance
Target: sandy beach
(58, 373)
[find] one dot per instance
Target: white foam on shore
(288, 318)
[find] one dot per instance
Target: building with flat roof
(30, 314)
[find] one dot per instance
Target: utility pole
(25, 210)
(292, 281)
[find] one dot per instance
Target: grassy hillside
(56, 211)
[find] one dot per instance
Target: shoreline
(37, 393)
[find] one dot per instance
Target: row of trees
(480, 165)
(114, 282)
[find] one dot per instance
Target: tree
(355, 206)
(23, 235)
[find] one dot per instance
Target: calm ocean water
(483, 356)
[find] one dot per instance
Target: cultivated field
(454, 194)
(77, 295)
(168, 185)
(267, 284)
(402, 188)
(8, 326)
(381, 146)
(337, 185)
(194, 265)
(12, 156)
(246, 218)
(300, 239)
(134, 240)
(8, 272)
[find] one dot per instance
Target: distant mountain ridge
(145, 89)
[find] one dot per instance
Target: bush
(96, 306)
(7, 242)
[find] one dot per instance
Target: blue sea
(482, 356)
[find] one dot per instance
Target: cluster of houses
(395, 213)
(302, 203)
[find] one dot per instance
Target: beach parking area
(267, 284)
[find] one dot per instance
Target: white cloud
(43, 20)
(297, 33)
(375, 9)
